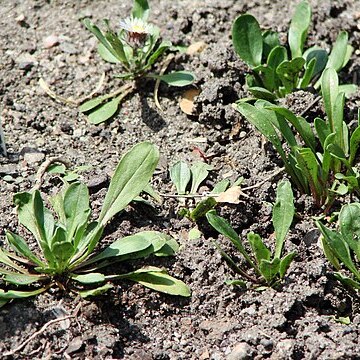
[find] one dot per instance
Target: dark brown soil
(130, 322)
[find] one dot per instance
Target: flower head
(137, 30)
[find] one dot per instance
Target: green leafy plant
(316, 161)
(187, 181)
(67, 241)
(269, 268)
(136, 47)
(342, 246)
(277, 71)
(65, 174)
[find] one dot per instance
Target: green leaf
(258, 247)
(262, 93)
(300, 124)
(320, 55)
(76, 208)
(5, 259)
(158, 280)
(247, 39)
(283, 213)
(277, 55)
(202, 208)
(349, 224)
(224, 228)
(105, 111)
(38, 220)
(270, 41)
(95, 292)
(106, 55)
(103, 40)
(340, 248)
(21, 279)
(199, 172)
(91, 278)
(164, 45)
(342, 320)
(130, 244)
(288, 72)
(322, 130)
(20, 245)
(348, 89)
(236, 282)
(180, 175)
(285, 263)
(260, 118)
(176, 78)
(308, 74)
(169, 248)
(269, 269)
(220, 187)
(56, 169)
(13, 294)
(339, 52)
(310, 167)
(298, 30)
(354, 144)
(131, 176)
(140, 9)
(329, 254)
(92, 104)
(346, 281)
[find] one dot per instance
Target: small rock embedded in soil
(50, 41)
(241, 351)
(26, 61)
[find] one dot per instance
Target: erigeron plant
(67, 241)
(136, 47)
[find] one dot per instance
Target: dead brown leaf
(187, 101)
(230, 196)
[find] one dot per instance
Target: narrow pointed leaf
(22, 248)
(140, 9)
(13, 294)
(283, 213)
(285, 263)
(339, 52)
(95, 292)
(131, 176)
(160, 281)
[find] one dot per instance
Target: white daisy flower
(136, 25)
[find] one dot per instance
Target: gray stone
(241, 351)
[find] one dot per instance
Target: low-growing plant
(342, 246)
(65, 174)
(320, 160)
(277, 71)
(67, 241)
(187, 181)
(268, 267)
(136, 47)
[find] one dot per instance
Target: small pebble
(50, 41)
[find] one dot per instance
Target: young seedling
(342, 246)
(276, 71)
(65, 174)
(313, 172)
(68, 240)
(269, 268)
(136, 47)
(187, 181)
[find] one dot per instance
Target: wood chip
(187, 101)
